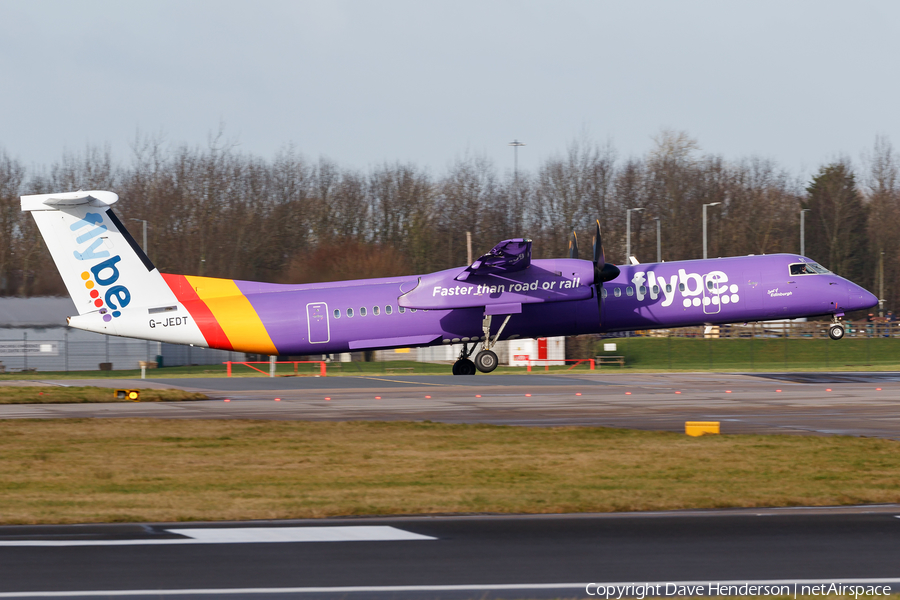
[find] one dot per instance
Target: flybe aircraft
(502, 295)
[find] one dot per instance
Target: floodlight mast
(658, 242)
(704, 226)
(803, 231)
(628, 212)
(515, 144)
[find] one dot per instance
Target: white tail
(104, 269)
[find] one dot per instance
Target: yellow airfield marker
(698, 428)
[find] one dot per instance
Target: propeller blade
(599, 257)
(603, 271)
(573, 246)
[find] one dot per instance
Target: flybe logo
(99, 279)
(690, 286)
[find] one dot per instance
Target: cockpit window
(808, 269)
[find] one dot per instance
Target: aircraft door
(317, 323)
(711, 301)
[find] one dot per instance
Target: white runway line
(247, 535)
(445, 588)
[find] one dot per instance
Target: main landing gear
(486, 360)
(464, 366)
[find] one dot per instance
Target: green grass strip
(166, 470)
(39, 394)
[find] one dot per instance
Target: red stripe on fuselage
(209, 327)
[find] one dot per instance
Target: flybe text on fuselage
(653, 285)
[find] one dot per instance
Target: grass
(77, 395)
(773, 354)
(66, 471)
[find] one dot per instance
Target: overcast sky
(367, 82)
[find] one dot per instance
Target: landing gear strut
(486, 360)
(464, 366)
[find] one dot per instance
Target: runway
(860, 404)
(474, 556)
(544, 556)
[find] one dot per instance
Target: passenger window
(655, 290)
(376, 311)
(668, 288)
(412, 310)
(388, 309)
(402, 310)
(709, 284)
(642, 290)
(337, 313)
(681, 287)
(362, 311)
(349, 312)
(629, 291)
(603, 293)
(617, 293)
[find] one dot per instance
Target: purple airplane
(502, 295)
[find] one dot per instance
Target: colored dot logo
(95, 295)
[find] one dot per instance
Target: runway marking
(437, 588)
(248, 535)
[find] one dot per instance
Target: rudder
(101, 264)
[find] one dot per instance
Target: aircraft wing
(506, 257)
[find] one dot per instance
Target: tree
(836, 234)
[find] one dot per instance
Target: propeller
(603, 271)
(573, 246)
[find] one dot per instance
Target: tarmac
(858, 404)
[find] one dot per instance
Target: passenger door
(317, 322)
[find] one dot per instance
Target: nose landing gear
(836, 331)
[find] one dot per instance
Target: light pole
(881, 285)
(515, 144)
(144, 221)
(628, 212)
(803, 231)
(704, 225)
(658, 242)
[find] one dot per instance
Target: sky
(364, 83)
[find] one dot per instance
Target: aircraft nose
(861, 299)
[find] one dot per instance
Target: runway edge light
(133, 395)
(698, 428)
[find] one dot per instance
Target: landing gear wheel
(836, 332)
(463, 366)
(486, 361)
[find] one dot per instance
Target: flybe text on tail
(100, 279)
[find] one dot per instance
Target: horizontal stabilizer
(94, 198)
(508, 256)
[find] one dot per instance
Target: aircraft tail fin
(102, 266)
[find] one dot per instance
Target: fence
(791, 329)
(53, 349)
(771, 346)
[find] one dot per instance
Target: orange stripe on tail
(203, 316)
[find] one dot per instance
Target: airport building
(34, 335)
